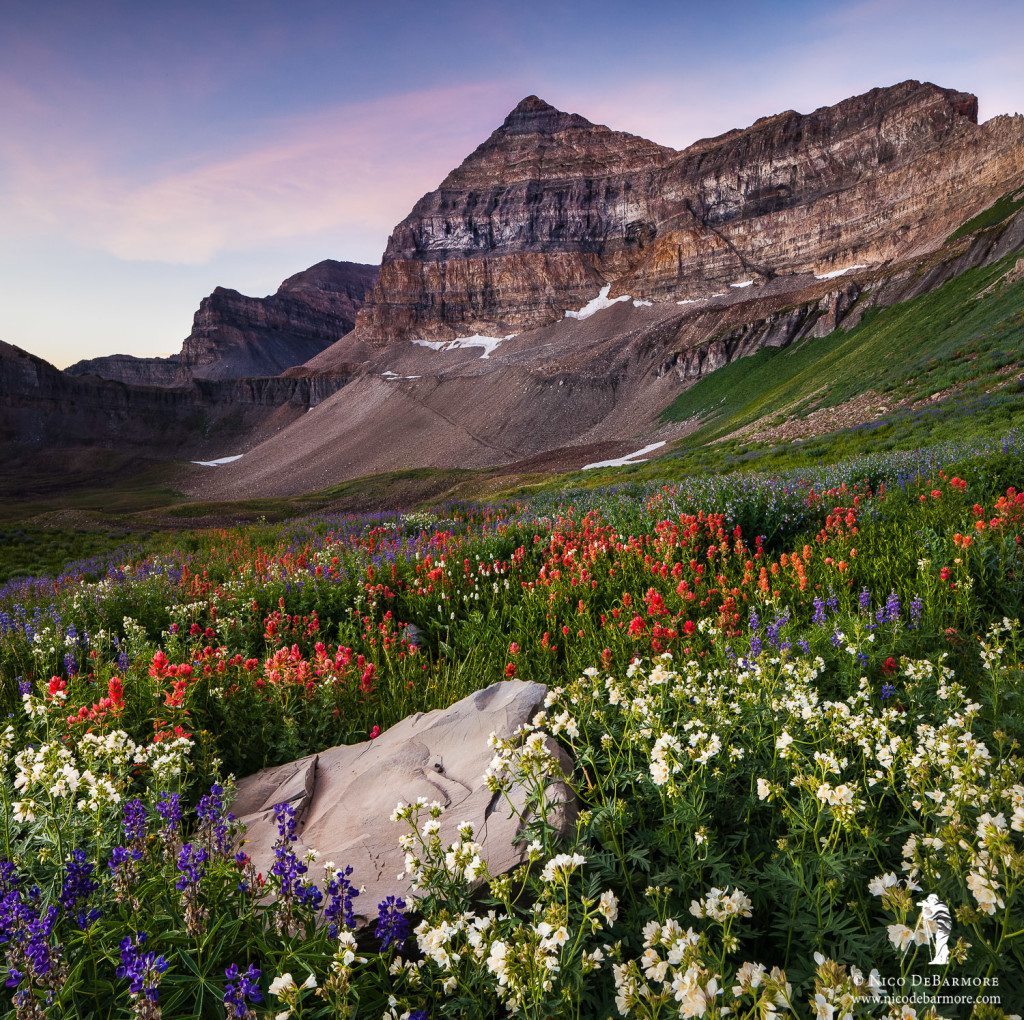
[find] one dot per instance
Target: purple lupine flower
(123, 866)
(142, 970)
(340, 893)
(26, 934)
(134, 820)
(36, 941)
(804, 645)
(916, 609)
(893, 608)
(77, 887)
(819, 611)
(211, 805)
(864, 601)
(214, 819)
(419, 1014)
(774, 628)
(836, 639)
(12, 914)
(287, 868)
(241, 990)
(192, 866)
(284, 815)
(755, 620)
(168, 807)
(755, 646)
(832, 603)
(70, 665)
(9, 878)
(24, 686)
(392, 925)
(888, 690)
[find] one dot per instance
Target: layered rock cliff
(788, 229)
(234, 336)
(551, 207)
(40, 406)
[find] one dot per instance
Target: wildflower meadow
(794, 707)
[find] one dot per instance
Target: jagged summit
(784, 230)
(234, 336)
(534, 116)
(551, 207)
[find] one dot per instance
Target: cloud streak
(353, 168)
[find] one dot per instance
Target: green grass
(950, 339)
(1000, 210)
(944, 339)
(27, 551)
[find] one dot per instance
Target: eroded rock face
(344, 797)
(234, 336)
(552, 207)
(42, 407)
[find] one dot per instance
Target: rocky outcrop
(234, 336)
(344, 797)
(563, 394)
(40, 406)
(552, 207)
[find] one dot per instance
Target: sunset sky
(149, 153)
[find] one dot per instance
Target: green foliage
(27, 551)
(945, 338)
(817, 621)
(1000, 210)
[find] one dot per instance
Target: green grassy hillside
(944, 362)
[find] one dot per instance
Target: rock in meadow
(343, 797)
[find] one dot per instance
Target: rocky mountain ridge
(44, 407)
(551, 208)
(560, 396)
(567, 282)
(234, 336)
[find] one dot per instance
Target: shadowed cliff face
(40, 406)
(551, 207)
(234, 336)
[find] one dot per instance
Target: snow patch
(628, 459)
(394, 376)
(640, 301)
(687, 301)
(839, 272)
(218, 461)
(598, 304)
(488, 343)
(742, 283)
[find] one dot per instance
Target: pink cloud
(355, 167)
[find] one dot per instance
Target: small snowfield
(219, 461)
(630, 458)
(598, 304)
(488, 343)
(839, 272)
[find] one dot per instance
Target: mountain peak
(532, 104)
(534, 116)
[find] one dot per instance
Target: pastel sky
(149, 152)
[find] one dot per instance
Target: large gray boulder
(344, 796)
